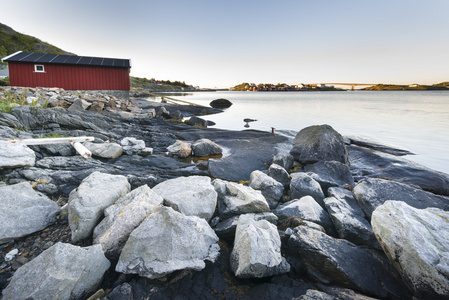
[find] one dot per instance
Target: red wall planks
(69, 77)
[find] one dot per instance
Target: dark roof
(67, 60)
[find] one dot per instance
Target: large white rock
(16, 155)
(87, 202)
(306, 208)
(417, 243)
(257, 249)
(236, 199)
(104, 150)
(168, 241)
(123, 217)
(63, 271)
(24, 211)
(192, 196)
(270, 188)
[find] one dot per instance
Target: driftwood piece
(74, 141)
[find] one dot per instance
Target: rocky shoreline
(165, 209)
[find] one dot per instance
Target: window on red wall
(39, 68)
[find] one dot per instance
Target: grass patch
(12, 100)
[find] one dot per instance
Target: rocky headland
(173, 209)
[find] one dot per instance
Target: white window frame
(36, 69)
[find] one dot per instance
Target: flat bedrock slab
(373, 192)
(374, 164)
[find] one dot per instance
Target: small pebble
(11, 254)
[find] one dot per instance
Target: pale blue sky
(223, 43)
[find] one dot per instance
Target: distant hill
(412, 87)
(143, 84)
(12, 41)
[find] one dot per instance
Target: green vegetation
(52, 136)
(11, 100)
(152, 84)
(12, 41)
(4, 81)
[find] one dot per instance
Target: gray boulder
(302, 185)
(196, 121)
(15, 155)
(335, 261)
(132, 145)
(330, 174)
(192, 196)
(257, 250)
(168, 241)
(123, 217)
(226, 228)
(24, 211)
(236, 199)
(270, 188)
(417, 243)
(104, 150)
(319, 143)
(283, 160)
(87, 202)
(79, 104)
(205, 147)
(63, 271)
(220, 103)
(348, 218)
(373, 192)
(306, 208)
(279, 174)
(374, 164)
(180, 149)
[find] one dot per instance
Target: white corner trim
(9, 56)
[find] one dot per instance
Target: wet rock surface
(328, 245)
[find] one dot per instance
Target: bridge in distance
(352, 85)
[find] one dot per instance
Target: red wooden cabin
(69, 72)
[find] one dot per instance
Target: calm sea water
(417, 121)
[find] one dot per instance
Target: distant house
(69, 72)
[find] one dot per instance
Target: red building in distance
(69, 72)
